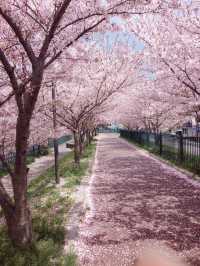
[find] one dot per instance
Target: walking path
(136, 198)
(39, 166)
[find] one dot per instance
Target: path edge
(80, 208)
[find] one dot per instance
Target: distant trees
(151, 108)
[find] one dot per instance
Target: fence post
(33, 150)
(147, 138)
(160, 144)
(140, 137)
(181, 151)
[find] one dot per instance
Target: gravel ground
(136, 199)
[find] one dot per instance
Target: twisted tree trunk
(17, 212)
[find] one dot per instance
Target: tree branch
(9, 70)
(57, 18)
(58, 54)
(6, 165)
(25, 43)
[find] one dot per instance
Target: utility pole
(55, 142)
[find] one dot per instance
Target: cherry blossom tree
(171, 62)
(34, 35)
(88, 92)
(151, 106)
(171, 55)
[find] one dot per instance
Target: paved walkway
(40, 165)
(136, 198)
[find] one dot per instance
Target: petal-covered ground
(137, 199)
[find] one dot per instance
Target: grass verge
(50, 204)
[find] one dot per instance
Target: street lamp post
(55, 142)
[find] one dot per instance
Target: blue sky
(108, 39)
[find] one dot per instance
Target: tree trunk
(95, 132)
(76, 149)
(17, 214)
(81, 147)
(19, 221)
(82, 143)
(88, 137)
(19, 224)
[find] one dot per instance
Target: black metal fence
(33, 151)
(36, 150)
(181, 150)
(107, 130)
(60, 141)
